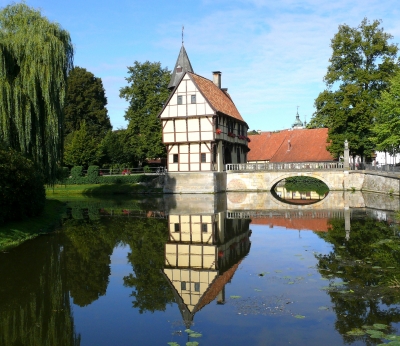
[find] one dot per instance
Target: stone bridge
(256, 178)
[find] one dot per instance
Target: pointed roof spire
(182, 65)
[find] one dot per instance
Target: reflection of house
(201, 256)
(202, 128)
(297, 144)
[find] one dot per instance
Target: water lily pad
(356, 332)
(258, 290)
(300, 316)
(299, 278)
(369, 262)
(287, 277)
(189, 331)
(379, 326)
(326, 288)
(390, 267)
(394, 343)
(232, 297)
(376, 267)
(173, 343)
(278, 271)
(338, 256)
(377, 336)
(342, 247)
(324, 279)
(339, 272)
(290, 283)
(323, 308)
(392, 337)
(195, 335)
(192, 343)
(298, 254)
(373, 331)
(366, 327)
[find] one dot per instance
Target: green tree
(146, 94)
(85, 101)
(83, 149)
(36, 56)
(361, 65)
(117, 149)
(386, 130)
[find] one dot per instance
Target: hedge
(93, 177)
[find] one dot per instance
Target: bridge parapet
(285, 166)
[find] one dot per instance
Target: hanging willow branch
(35, 58)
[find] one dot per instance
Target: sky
(273, 54)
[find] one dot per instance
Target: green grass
(98, 190)
(15, 232)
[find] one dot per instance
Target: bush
(22, 192)
(76, 176)
(93, 175)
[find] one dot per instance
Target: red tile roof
(300, 145)
(219, 99)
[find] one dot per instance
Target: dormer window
(192, 98)
(180, 100)
(179, 69)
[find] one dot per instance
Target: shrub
(22, 192)
(76, 176)
(93, 175)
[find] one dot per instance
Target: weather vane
(183, 28)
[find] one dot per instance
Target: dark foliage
(22, 192)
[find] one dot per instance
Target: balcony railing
(284, 166)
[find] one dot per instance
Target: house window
(180, 100)
(183, 285)
(176, 227)
(192, 98)
(175, 158)
(203, 157)
(204, 227)
(197, 286)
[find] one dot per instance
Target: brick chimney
(217, 78)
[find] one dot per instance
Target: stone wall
(195, 182)
(382, 183)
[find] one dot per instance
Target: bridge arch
(285, 175)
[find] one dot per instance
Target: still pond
(207, 270)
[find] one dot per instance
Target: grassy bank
(16, 232)
(99, 190)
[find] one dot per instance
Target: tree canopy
(36, 56)
(362, 63)
(386, 130)
(85, 101)
(146, 93)
(83, 149)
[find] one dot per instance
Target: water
(230, 268)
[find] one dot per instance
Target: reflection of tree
(34, 301)
(147, 238)
(88, 247)
(362, 263)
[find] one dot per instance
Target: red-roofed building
(292, 145)
(202, 128)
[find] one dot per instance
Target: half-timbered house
(202, 128)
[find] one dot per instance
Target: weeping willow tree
(35, 58)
